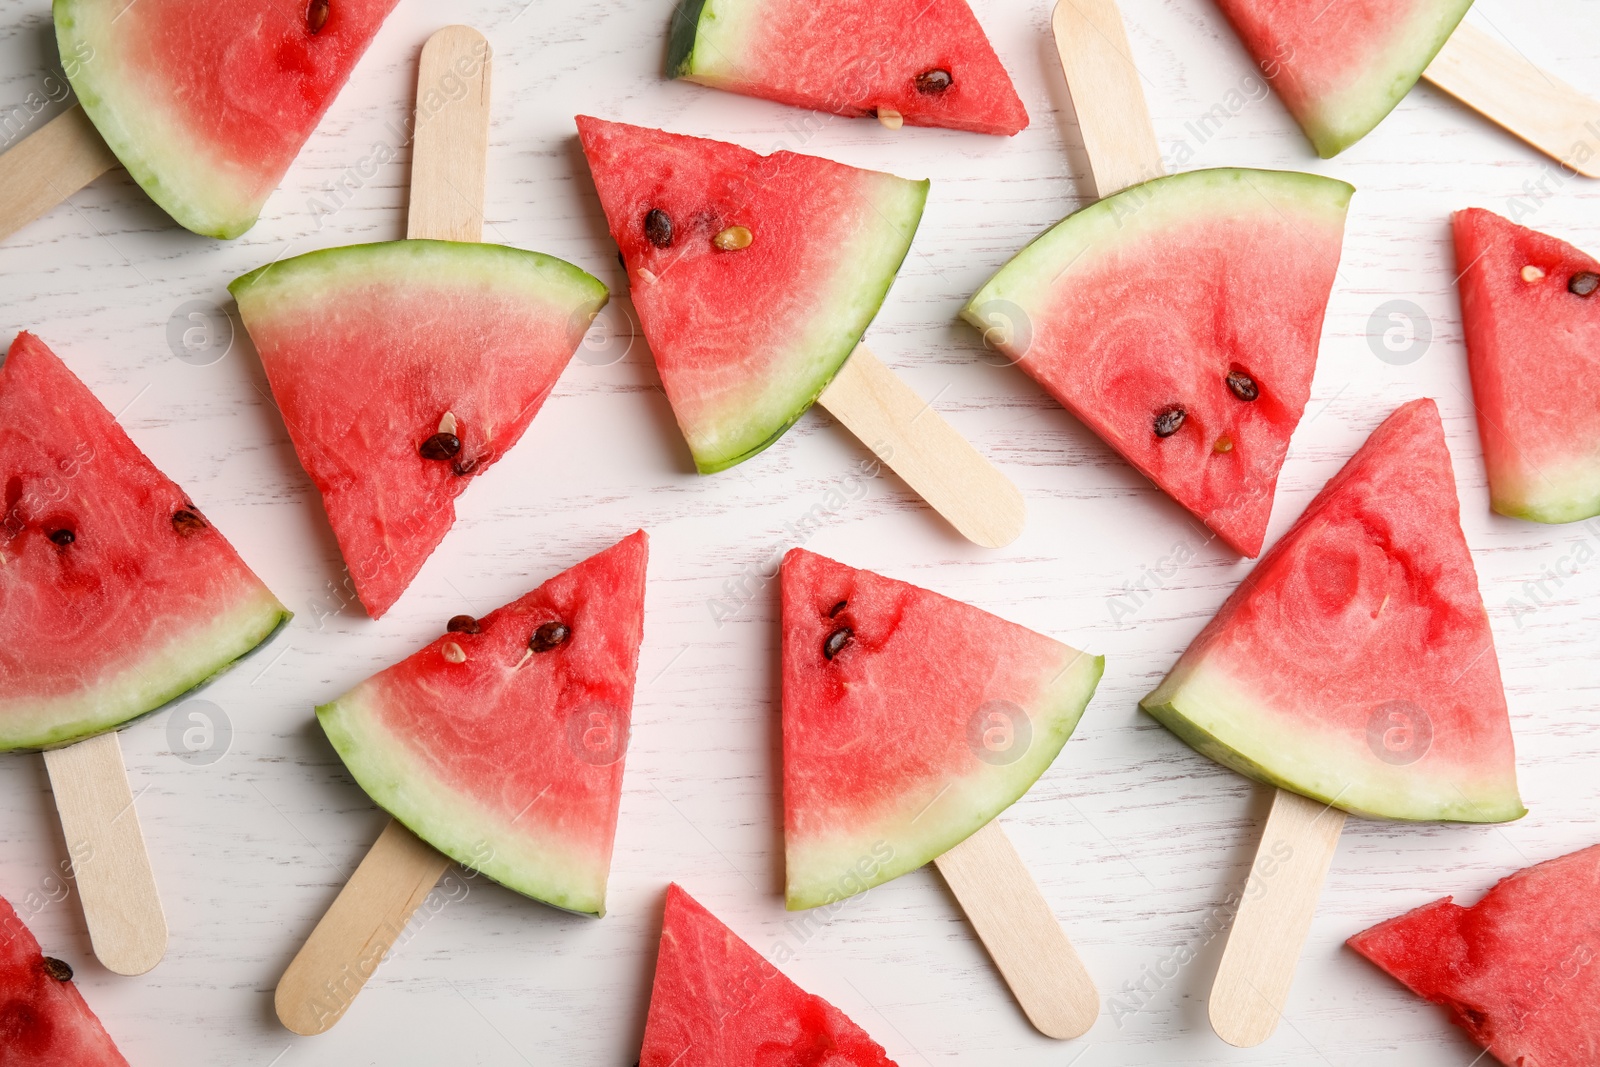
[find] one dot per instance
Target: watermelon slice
(501, 743)
(454, 347)
(926, 61)
(1179, 319)
(1519, 970)
(754, 276)
(207, 102)
(1531, 307)
(1355, 663)
(717, 1002)
(1341, 67)
(44, 1021)
(909, 721)
(116, 594)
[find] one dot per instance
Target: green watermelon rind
(1222, 721)
(822, 873)
(143, 689)
(708, 38)
(681, 39)
(400, 783)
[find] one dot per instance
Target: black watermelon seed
(550, 635)
(658, 227)
(63, 537)
(1243, 386)
(933, 82)
(440, 446)
(60, 970)
(1167, 422)
(837, 608)
(464, 468)
(462, 624)
(317, 15)
(187, 523)
(1583, 283)
(836, 641)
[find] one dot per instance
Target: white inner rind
(721, 43)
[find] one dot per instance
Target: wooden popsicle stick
(111, 866)
(449, 156)
(1016, 925)
(50, 165)
(1275, 913)
(919, 445)
(1503, 86)
(350, 940)
(1106, 94)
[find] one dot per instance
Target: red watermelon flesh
(717, 1002)
(501, 743)
(747, 337)
(1355, 664)
(909, 721)
(116, 593)
(1531, 307)
(207, 102)
(926, 60)
(44, 1021)
(1519, 970)
(1199, 296)
(372, 351)
(1340, 66)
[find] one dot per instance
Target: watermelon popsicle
(1341, 69)
(754, 278)
(910, 722)
(205, 103)
(117, 596)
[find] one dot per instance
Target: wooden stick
(451, 147)
(349, 942)
(1500, 84)
(914, 440)
(110, 863)
(48, 166)
(1016, 925)
(1106, 94)
(1275, 912)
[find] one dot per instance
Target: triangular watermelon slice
(116, 594)
(207, 102)
(909, 721)
(717, 1002)
(1180, 319)
(44, 1021)
(926, 61)
(501, 743)
(403, 371)
(1531, 307)
(754, 276)
(1355, 664)
(1340, 66)
(1519, 970)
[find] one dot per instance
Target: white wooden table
(1134, 838)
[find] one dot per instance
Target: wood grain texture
(1501, 84)
(450, 151)
(1022, 934)
(352, 938)
(111, 865)
(916, 442)
(49, 165)
(1275, 913)
(1107, 94)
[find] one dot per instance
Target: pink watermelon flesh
(503, 747)
(1151, 301)
(745, 339)
(717, 1003)
(369, 347)
(929, 718)
(1519, 970)
(1533, 346)
(926, 60)
(116, 594)
(1355, 664)
(44, 1021)
(207, 102)
(1340, 66)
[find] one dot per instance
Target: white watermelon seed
(448, 423)
(891, 118)
(1531, 274)
(452, 652)
(734, 238)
